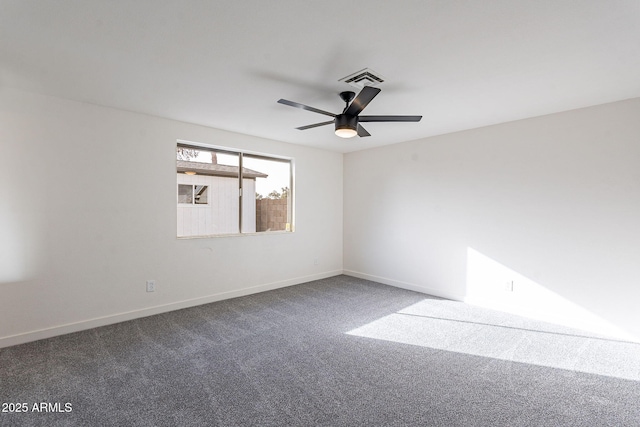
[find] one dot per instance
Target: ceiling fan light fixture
(346, 133)
(346, 126)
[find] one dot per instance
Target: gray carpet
(334, 352)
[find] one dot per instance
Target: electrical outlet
(508, 286)
(151, 285)
(315, 261)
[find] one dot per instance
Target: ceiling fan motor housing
(345, 121)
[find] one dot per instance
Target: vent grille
(362, 78)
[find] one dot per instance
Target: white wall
(88, 214)
(552, 203)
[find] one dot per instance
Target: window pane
(271, 201)
(185, 193)
(201, 194)
(213, 177)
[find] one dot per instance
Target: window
(224, 192)
(192, 194)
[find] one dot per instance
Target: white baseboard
(135, 314)
(404, 285)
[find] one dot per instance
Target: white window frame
(240, 153)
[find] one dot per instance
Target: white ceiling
(224, 64)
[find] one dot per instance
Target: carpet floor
(334, 352)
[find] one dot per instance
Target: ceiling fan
(348, 122)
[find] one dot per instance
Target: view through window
(222, 192)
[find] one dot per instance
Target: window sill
(257, 233)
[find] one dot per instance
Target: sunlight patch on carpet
(458, 327)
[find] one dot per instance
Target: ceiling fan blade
(304, 107)
(362, 100)
(362, 132)
(316, 125)
(389, 118)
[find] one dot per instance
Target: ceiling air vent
(362, 78)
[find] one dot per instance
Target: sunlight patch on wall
(458, 327)
(495, 286)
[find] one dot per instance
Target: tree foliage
(183, 153)
(275, 194)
